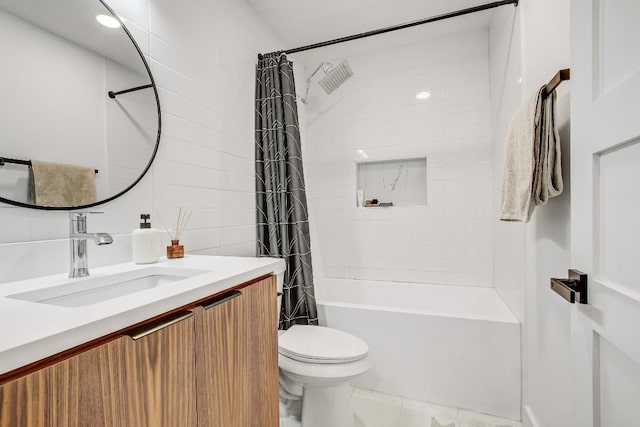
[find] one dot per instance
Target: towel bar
(561, 76)
(4, 160)
(113, 94)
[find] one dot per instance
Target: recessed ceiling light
(108, 21)
(423, 95)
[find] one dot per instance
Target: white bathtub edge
(503, 314)
(512, 320)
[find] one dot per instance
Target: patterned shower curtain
(282, 216)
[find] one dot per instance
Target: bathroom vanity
(198, 349)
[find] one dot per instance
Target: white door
(605, 210)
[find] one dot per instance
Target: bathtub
(452, 345)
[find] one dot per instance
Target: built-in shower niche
(402, 182)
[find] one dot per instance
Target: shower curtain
(282, 216)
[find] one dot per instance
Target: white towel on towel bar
(532, 170)
(59, 185)
(547, 182)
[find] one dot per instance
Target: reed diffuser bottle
(176, 250)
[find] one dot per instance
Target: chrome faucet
(78, 237)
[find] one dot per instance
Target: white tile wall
(448, 241)
(203, 55)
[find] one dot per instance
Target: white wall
(533, 46)
(203, 56)
(376, 114)
(547, 326)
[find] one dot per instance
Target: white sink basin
(87, 291)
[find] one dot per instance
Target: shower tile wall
(376, 116)
(203, 58)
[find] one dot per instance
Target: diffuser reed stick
(181, 224)
(178, 224)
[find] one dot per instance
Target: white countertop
(31, 331)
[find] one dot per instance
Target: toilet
(316, 364)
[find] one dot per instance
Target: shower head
(335, 77)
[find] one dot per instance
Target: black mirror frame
(153, 155)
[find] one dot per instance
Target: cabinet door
(262, 348)
(159, 373)
(237, 358)
(25, 402)
(221, 347)
(143, 379)
(87, 389)
(84, 390)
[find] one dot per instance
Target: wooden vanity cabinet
(211, 364)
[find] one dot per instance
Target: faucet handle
(74, 216)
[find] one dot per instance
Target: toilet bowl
(316, 364)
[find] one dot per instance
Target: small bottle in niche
(176, 250)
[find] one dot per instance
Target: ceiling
(75, 21)
(302, 22)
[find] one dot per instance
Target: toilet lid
(318, 344)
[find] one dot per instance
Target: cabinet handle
(143, 331)
(221, 299)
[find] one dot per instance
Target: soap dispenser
(145, 242)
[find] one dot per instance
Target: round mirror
(79, 110)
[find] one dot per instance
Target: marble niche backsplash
(402, 182)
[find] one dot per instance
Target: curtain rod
(403, 26)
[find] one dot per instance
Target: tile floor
(373, 409)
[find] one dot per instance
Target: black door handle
(572, 289)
